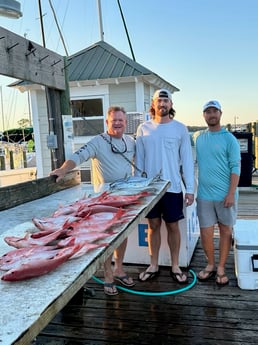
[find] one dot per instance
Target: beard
(213, 122)
(163, 111)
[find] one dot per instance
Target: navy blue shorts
(169, 207)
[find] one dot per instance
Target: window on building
(88, 117)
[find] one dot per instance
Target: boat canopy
(17, 135)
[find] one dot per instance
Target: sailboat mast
(100, 21)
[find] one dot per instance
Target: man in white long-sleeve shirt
(163, 145)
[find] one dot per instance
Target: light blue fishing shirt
(218, 156)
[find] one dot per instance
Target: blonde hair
(115, 108)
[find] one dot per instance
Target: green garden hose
(162, 293)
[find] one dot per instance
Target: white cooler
(246, 253)
(137, 247)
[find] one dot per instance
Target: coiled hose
(162, 293)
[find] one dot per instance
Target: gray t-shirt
(107, 165)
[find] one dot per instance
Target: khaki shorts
(212, 212)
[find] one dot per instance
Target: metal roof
(102, 61)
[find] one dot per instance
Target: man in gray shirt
(110, 154)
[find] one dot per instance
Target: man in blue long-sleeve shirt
(218, 158)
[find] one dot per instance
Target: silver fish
(133, 191)
(134, 182)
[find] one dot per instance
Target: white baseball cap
(162, 93)
(214, 104)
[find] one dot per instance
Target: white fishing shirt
(106, 166)
(166, 148)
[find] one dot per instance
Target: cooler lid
(246, 232)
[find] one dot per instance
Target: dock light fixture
(10, 9)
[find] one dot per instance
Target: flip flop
(123, 280)
(114, 289)
(181, 275)
(210, 274)
(148, 275)
(221, 276)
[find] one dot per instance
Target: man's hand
(189, 199)
(68, 165)
(229, 200)
(60, 173)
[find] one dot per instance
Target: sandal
(219, 278)
(176, 275)
(144, 276)
(206, 274)
(123, 280)
(108, 287)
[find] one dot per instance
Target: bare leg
(109, 286)
(208, 247)
(154, 241)
(174, 240)
(224, 248)
(108, 272)
(118, 269)
(119, 254)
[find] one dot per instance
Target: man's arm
(230, 197)
(68, 165)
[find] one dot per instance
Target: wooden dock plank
(204, 315)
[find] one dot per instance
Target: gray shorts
(212, 212)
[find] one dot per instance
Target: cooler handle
(254, 259)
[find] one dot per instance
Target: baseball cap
(162, 93)
(214, 104)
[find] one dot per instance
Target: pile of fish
(70, 232)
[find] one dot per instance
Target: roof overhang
(150, 79)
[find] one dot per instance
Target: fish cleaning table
(28, 306)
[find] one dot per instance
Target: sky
(206, 48)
